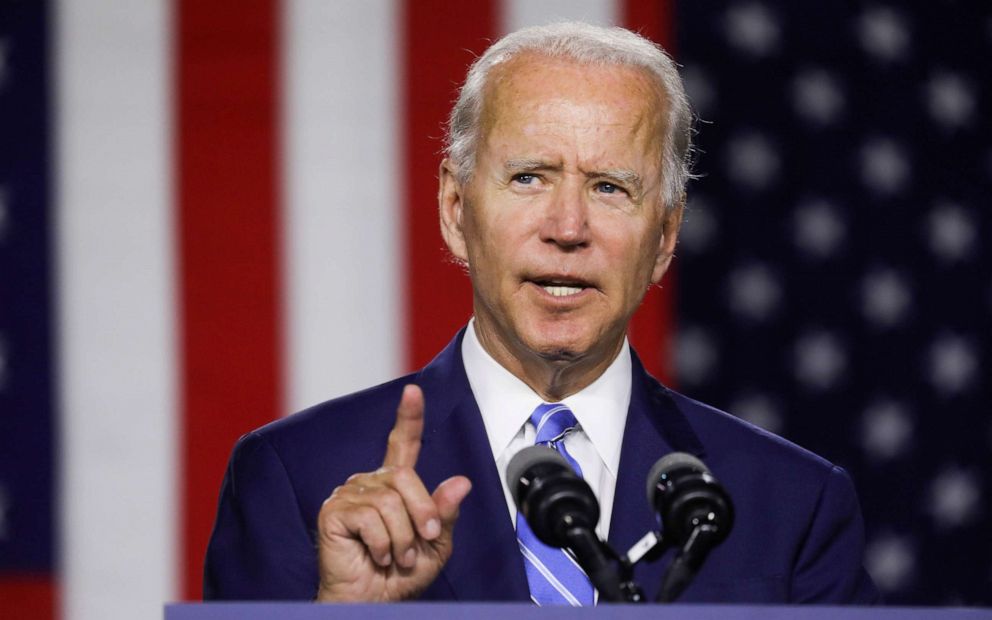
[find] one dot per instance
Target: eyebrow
(517, 165)
(621, 175)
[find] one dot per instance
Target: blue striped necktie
(553, 575)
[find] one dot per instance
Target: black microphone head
(524, 462)
(668, 464)
(550, 495)
(686, 496)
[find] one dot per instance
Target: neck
(554, 376)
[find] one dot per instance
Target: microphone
(696, 513)
(562, 511)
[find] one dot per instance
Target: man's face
(561, 224)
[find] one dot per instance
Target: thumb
(448, 498)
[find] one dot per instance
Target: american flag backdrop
(835, 275)
(213, 214)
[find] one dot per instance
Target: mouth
(560, 286)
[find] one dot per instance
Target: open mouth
(561, 288)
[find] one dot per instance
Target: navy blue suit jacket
(797, 538)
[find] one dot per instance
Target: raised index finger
(404, 440)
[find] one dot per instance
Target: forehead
(534, 92)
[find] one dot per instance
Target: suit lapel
(654, 428)
(485, 563)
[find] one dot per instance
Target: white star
(955, 497)
(754, 292)
(887, 430)
(699, 228)
(884, 166)
(885, 297)
(820, 360)
(700, 89)
(696, 355)
(953, 364)
(817, 228)
(752, 28)
(891, 561)
(759, 410)
(883, 34)
(752, 160)
(951, 100)
(952, 232)
(817, 97)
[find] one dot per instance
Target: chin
(560, 354)
(556, 344)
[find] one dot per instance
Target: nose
(566, 220)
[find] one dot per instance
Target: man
(562, 194)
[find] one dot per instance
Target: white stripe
(547, 574)
(520, 13)
(117, 334)
(553, 441)
(343, 212)
(571, 558)
(547, 416)
(544, 420)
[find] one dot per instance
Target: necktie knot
(552, 421)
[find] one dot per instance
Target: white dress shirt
(506, 403)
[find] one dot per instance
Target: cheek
(487, 248)
(631, 259)
(476, 235)
(497, 240)
(488, 255)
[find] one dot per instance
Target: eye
(524, 178)
(606, 187)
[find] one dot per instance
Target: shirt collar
(506, 402)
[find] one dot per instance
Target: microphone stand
(689, 559)
(612, 575)
(599, 562)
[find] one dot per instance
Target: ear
(671, 222)
(451, 206)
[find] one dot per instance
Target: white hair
(588, 44)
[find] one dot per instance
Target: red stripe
(654, 323)
(654, 19)
(229, 246)
(28, 597)
(441, 39)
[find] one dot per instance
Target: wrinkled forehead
(531, 81)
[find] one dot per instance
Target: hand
(382, 536)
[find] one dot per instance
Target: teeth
(562, 291)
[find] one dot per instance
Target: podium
(525, 611)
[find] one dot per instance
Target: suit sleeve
(260, 548)
(830, 565)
